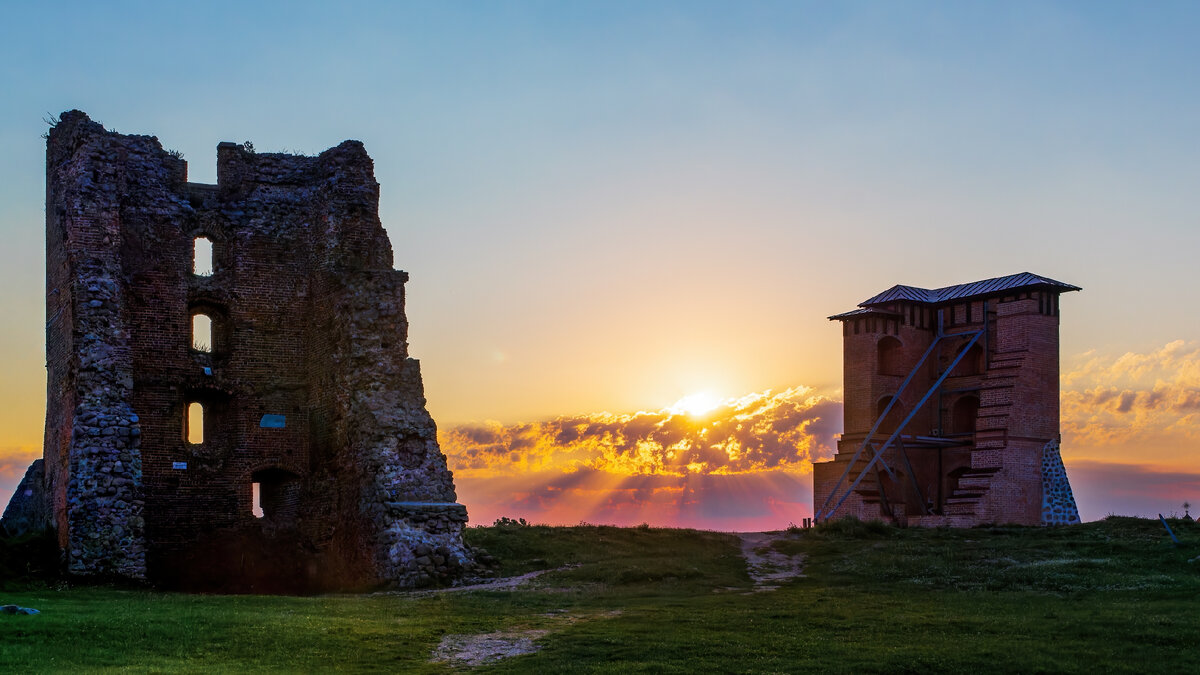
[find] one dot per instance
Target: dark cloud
(1106, 488)
(13, 464)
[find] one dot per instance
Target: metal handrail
(821, 513)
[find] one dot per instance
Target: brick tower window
(202, 333)
(211, 328)
(194, 423)
(202, 257)
(972, 362)
(275, 495)
(964, 415)
(256, 500)
(889, 356)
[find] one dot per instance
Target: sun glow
(697, 404)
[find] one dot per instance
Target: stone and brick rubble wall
(1058, 502)
(102, 487)
(394, 440)
(308, 326)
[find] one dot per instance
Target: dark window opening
(275, 495)
(972, 362)
(964, 414)
(889, 353)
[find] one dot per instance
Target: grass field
(1110, 596)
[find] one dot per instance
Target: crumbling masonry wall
(305, 391)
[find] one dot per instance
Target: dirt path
(768, 567)
(481, 649)
(504, 584)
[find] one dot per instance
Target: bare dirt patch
(768, 567)
(504, 584)
(485, 648)
(471, 651)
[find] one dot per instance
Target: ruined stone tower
(951, 408)
(230, 402)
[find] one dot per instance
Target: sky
(607, 207)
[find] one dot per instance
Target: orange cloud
(1150, 399)
(1131, 427)
(743, 465)
(761, 431)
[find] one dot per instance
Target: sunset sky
(606, 207)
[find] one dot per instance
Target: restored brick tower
(230, 400)
(951, 408)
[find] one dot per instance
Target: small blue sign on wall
(178, 465)
(273, 422)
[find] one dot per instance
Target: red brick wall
(1013, 378)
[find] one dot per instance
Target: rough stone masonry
(230, 401)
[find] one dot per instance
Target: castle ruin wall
(290, 447)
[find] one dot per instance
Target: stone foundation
(1058, 502)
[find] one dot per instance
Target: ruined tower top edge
(341, 177)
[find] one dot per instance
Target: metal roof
(865, 311)
(974, 289)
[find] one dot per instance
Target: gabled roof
(1013, 282)
(1023, 281)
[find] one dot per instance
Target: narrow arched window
(889, 349)
(202, 333)
(195, 423)
(275, 495)
(964, 415)
(972, 363)
(202, 257)
(256, 500)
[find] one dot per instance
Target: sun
(697, 404)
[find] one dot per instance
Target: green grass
(1112, 596)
